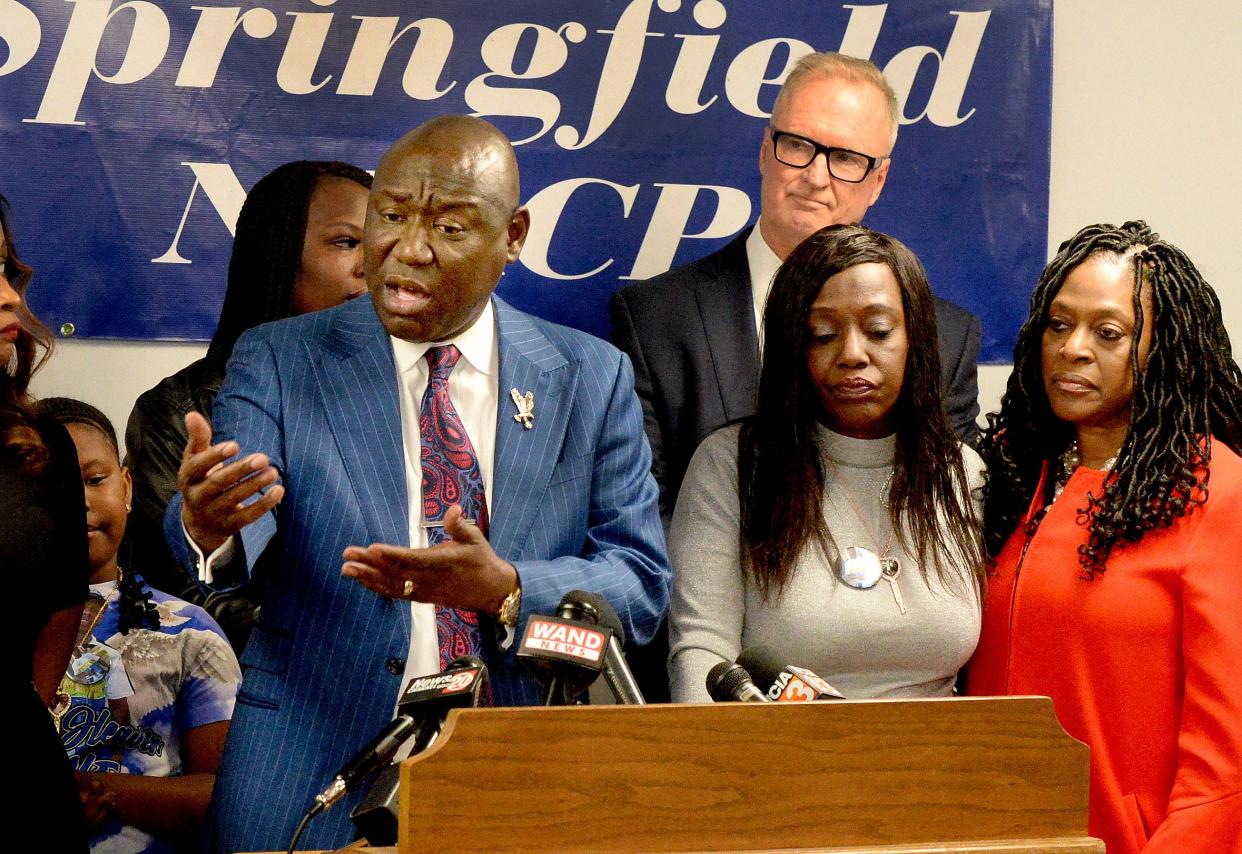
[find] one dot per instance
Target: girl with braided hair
(145, 703)
(1110, 516)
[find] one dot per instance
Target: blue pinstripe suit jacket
(573, 506)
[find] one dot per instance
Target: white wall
(111, 374)
(1144, 125)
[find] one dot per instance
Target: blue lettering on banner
(132, 128)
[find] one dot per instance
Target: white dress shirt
(473, 387)
(763, 265)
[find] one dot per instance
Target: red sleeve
(1205, 807)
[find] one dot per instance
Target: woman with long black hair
(1111, 518)
(297, 249)
(43, 553)
(835, 526)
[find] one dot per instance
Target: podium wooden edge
(1079, 845)
(474, 724)
(558, 757)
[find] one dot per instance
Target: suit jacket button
(395, 666)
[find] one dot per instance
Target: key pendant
(890, 569)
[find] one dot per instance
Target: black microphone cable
(315, 809)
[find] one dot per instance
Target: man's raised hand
(215, 494)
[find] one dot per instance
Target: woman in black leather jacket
(297, 249)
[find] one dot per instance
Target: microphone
(429, 699)
(567, 651)
(785, 683)
(728, 682)
(426, 700)
(420, 712)
(617, 673)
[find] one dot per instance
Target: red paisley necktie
(450, 476)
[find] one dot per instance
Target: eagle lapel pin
(525, 407)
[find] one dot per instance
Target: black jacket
(154, 443)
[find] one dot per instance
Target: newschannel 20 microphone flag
(131, 132)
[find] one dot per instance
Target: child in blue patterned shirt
(145, 704)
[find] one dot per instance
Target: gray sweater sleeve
(705, 624)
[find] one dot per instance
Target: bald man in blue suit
(311, 457)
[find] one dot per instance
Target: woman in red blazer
(1113, 512)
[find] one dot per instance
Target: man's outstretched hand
(214, 493)
(462, 572)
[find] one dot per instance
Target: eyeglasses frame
(826, 150)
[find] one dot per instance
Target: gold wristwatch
(511, 607)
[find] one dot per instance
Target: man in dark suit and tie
(432, 467)
(693, 333)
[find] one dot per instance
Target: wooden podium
(966, 775)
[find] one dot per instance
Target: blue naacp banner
(130, 132)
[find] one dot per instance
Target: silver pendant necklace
(1070, 461)
(861, 568)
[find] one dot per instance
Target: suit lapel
(727, 313)
(358, 384)
(525, 458)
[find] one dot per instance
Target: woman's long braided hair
(1186, 394)
(267, 248)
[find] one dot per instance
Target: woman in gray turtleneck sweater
(835, 527)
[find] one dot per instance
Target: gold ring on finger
(407, 588)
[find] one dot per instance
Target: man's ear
(519, 227)
(880, 177)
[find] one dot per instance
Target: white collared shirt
(763, 265)
(473, 387)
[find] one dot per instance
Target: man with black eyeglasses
(694, 333)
